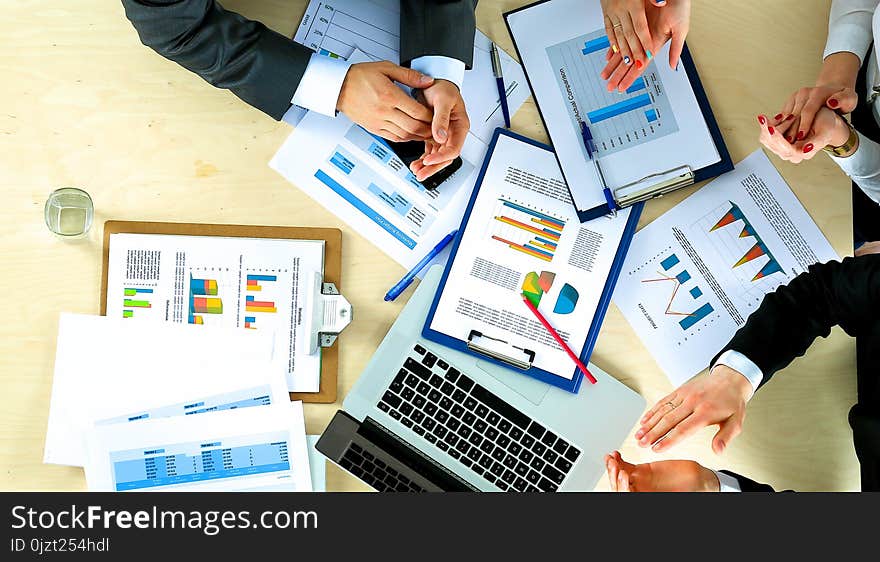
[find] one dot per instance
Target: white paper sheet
(357, 177)
(657, 127)
(694, 275)
(339, 27)
(106, 368)
(165, 276)
(317, 464)
(252, 449)
(523, 234)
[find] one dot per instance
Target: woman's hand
(669, 20)
(828, 128)
(805, 104)
(626, 25)
(661, 476)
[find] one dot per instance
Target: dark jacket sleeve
(747, 485)
(845, 294)
(258, 65)
(437, 27)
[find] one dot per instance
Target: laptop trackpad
(531, 389)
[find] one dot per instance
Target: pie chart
(566, 301)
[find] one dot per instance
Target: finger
(428, 171)
(632, 39)
(411, 107)
(612, 475)
(683, 430)
(665, 424)
(401, 133)
(676, 47)
(612, 38)
(440, 123)
(386, 134)
(640, 25)
(614, 62)
(784, 127)
(727, 432)
(629, 467)
(617, 76)
(633, 74)
(844, 101)
(407, 76)
(650, 413)
(799, 102)
(808, 113)
(622, 44)
(609, 53)
(412, 126)
(622, 481)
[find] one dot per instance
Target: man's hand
(715, 398)
(661, 476)
(449, 128)
(370, 98)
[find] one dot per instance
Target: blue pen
(401, 286)
(591, 150)
(499, 81)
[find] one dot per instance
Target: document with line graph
(661, 124)
(694, 275)
(522, 238)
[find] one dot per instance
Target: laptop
(425, 418)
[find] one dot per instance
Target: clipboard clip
(654, 185)
(325, 315)
(500, 350)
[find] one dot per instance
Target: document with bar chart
(694, 275)
(523, 239)
(661, 125)
(250, 284)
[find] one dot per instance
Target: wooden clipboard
(332, 273)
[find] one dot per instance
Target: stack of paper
(174, 408)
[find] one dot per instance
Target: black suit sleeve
(437, 27)
(748, 485)
(845, 294)
(258, 65)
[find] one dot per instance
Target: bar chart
(617, 120)
(251, 304)
(526, 230)
(254, 282)
(675, 282)
(203, 299)
(135, 297)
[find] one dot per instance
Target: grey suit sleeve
(258, 65)
(437, 27)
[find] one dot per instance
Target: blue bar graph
(697, 315)
(683, 277)
(534, 213)
(365, 209)
(651, 115)
(545, 241)
(597, 44)
(638, 85)
(342, 163)
(252, 277)
(696, 292)
(619, 108)
(669, 262)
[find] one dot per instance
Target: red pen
(559, 340)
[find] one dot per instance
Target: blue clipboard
(573, 384)
(724, 165)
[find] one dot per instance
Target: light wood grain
(84, 104)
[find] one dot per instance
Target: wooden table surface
(84, 104)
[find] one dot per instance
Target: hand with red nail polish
(829, 128)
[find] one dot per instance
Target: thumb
(408, 76)
(728, 430)
(844, 101)
(676, 48)
(440, 123)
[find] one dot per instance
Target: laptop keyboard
(376, 472)
(475, 427)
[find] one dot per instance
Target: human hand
(666, 21)
(449, 128)
(660, 476)
(626, 26)
(805, 104)
(715, 398)
(370, 98)
(828, 128)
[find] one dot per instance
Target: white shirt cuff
(727, 483)
(863, 166)
(743, 365)
(440, 68)
(320, 85)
